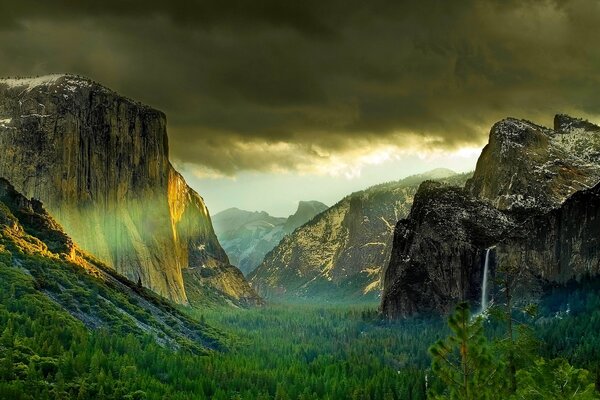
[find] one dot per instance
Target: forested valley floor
(275, 352)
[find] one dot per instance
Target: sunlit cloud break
(311, 160)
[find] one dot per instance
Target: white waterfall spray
(484, 284)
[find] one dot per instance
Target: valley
(116, 282)
(299, 200)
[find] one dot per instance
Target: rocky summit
(530, 198)
(529, 167)
(99, 162)
(339, 254)
(247, 236)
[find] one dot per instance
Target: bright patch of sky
(279, 193)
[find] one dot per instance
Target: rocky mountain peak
(248, 236)
(305, 212)
(517, 131)
(564, 123)
(526, 166)
(522, 191)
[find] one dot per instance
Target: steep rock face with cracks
(530, 196)
(99, 162)
(439, 251)
(340, 254)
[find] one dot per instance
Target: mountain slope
(99, 162)
(39, 262)
(525, 172)
(248, 236)
(341, 252)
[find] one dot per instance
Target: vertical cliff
(557, 246)
(439, 249)
(99, 162)
(517, 200)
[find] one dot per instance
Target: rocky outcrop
(306, 211)
(248, 236)
(99, 162)
(37, 254)
(526, 167)
(340, 253)
(524, 174)
(558, 246)
(439, 249)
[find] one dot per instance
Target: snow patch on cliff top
(30, 83)
(71, 83)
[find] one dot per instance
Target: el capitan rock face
(516, 201)
(99, 162)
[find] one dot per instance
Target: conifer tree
(464, 362)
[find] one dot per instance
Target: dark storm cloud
(270, 85)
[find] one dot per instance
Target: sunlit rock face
(340, 254)
(516, 201)
(99, 162)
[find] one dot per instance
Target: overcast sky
(272, 101)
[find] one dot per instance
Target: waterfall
(484, 284)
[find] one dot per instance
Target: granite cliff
(99, 162)
(515, 201)
(527, 167)
(340, 254)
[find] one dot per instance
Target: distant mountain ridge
(247, 236)
(341, 252)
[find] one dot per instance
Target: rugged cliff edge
(99, 162)
(340, 254)
(524, 174)
(527, 167)
(439, 249)
(558, 246)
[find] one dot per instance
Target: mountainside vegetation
(285, 352)
(70, 328)
(42, 266)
